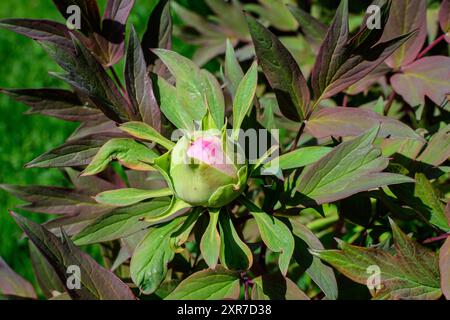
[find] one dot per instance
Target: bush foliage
(354, 183)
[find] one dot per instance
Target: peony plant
(163, 173)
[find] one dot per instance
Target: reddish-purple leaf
(42, 30)
(429, 76)
(332, 52)
(111, 41)
(101, 126)
(349, 122)
(94, 184)
(374, 77)
(343, 61)
(407, 270)
(444, 266)
(117, 12)
(97, 283)
(11, 284)
(47, 278)
(438, 149)
(73, 153)
(61, 104)
(90, 13)
(282, 72)
(158, 34)
(406, 16)
(88, 76)
(444, 18)
(139, 84)
(55, 200)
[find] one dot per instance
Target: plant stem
(438, 238)
(247, 284)
(299, 134)
(262, 257)
(431, 46)
(345, 101)
(389, 103)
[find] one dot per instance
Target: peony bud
(207, 170)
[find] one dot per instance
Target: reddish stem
(299, 134)
(389, 103)
(345, 101)
(431, 46)
(438, 238)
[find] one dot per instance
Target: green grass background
(24, 64)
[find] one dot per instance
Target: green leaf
(177, 207)
(46, 276)
(128, 196)
(276, 13)
(276, 287)
(214, 98)
(219, 284)
(444, 266)
(172, 108)
(178, 238)
(352, 167)
(314, 30)
(190, 82)
(411, 273)
(430, 198)
(210, 242)
(321, 274)
(264, 159)
(275, 234)
(230, 16)
(299, 158)
(139, 85)
(143, 131)
(234, 253)
(97, 283)
(232, 69)
(438, 149)
(425, 200)
(149, 262)
(282, 72)
(120, 222)
(243, 100)
(11, 284)
(128, 152)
